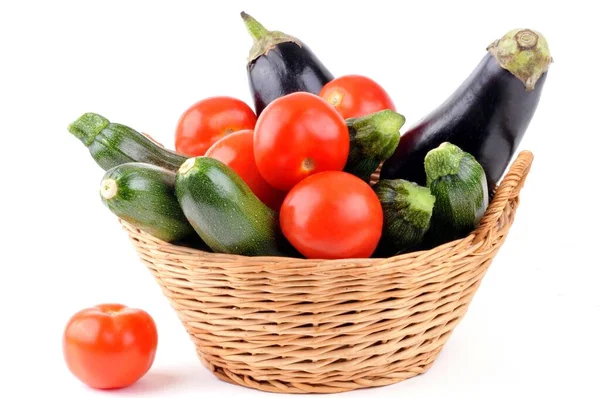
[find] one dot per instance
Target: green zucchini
(144, 196)
(459, 185)
(407, 209)
(224, 212)
(373, 139)
(112, 144)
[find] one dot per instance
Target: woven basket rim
(277, 259)
(508, 189)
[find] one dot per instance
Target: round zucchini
(407, 209)
(373, 139)
(459, 185)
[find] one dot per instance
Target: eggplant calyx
(264, 40)
(524, 53)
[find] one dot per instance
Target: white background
(532, 327)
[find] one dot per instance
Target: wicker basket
(306, 326)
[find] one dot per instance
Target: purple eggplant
(280, 64)
(487, 115)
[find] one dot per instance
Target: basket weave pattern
(310, 326)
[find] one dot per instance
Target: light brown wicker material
(308, 326)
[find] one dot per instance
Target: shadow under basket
(293, 325)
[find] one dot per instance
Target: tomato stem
(335, 98)
(308, 165)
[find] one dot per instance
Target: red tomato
(298, 135)
(236, 151)
(109, 345)
(332, 215)
(206, 121)
(355, 96)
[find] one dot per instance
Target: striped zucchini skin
(144, 196)
(225, 212)
(373, 139)
(460, 187)
(112, 144)
(407, 210)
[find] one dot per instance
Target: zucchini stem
(187, 166)
(108, 188)
(443, 161)
(418, 199)
(407, 209)
(373, 139)
(88, 126)
(378, 134)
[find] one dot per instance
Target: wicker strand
(507, 194)
(308, 326)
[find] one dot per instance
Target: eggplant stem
(255, 28)
(264, 40)
(524, 53)
(526, 38)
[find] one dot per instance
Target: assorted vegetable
(298, 177)
(208, 120)
(407, 210)
(144, 196)
(332, 214)
(298, 135)
(487, 115)
(459, 185)
(109, 346)
(280, 64)
(236, 150)
(112, 144)
(373, 138)
(224, 211)
(356, 95)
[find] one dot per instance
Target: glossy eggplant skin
(486, 116)
(284, 69)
